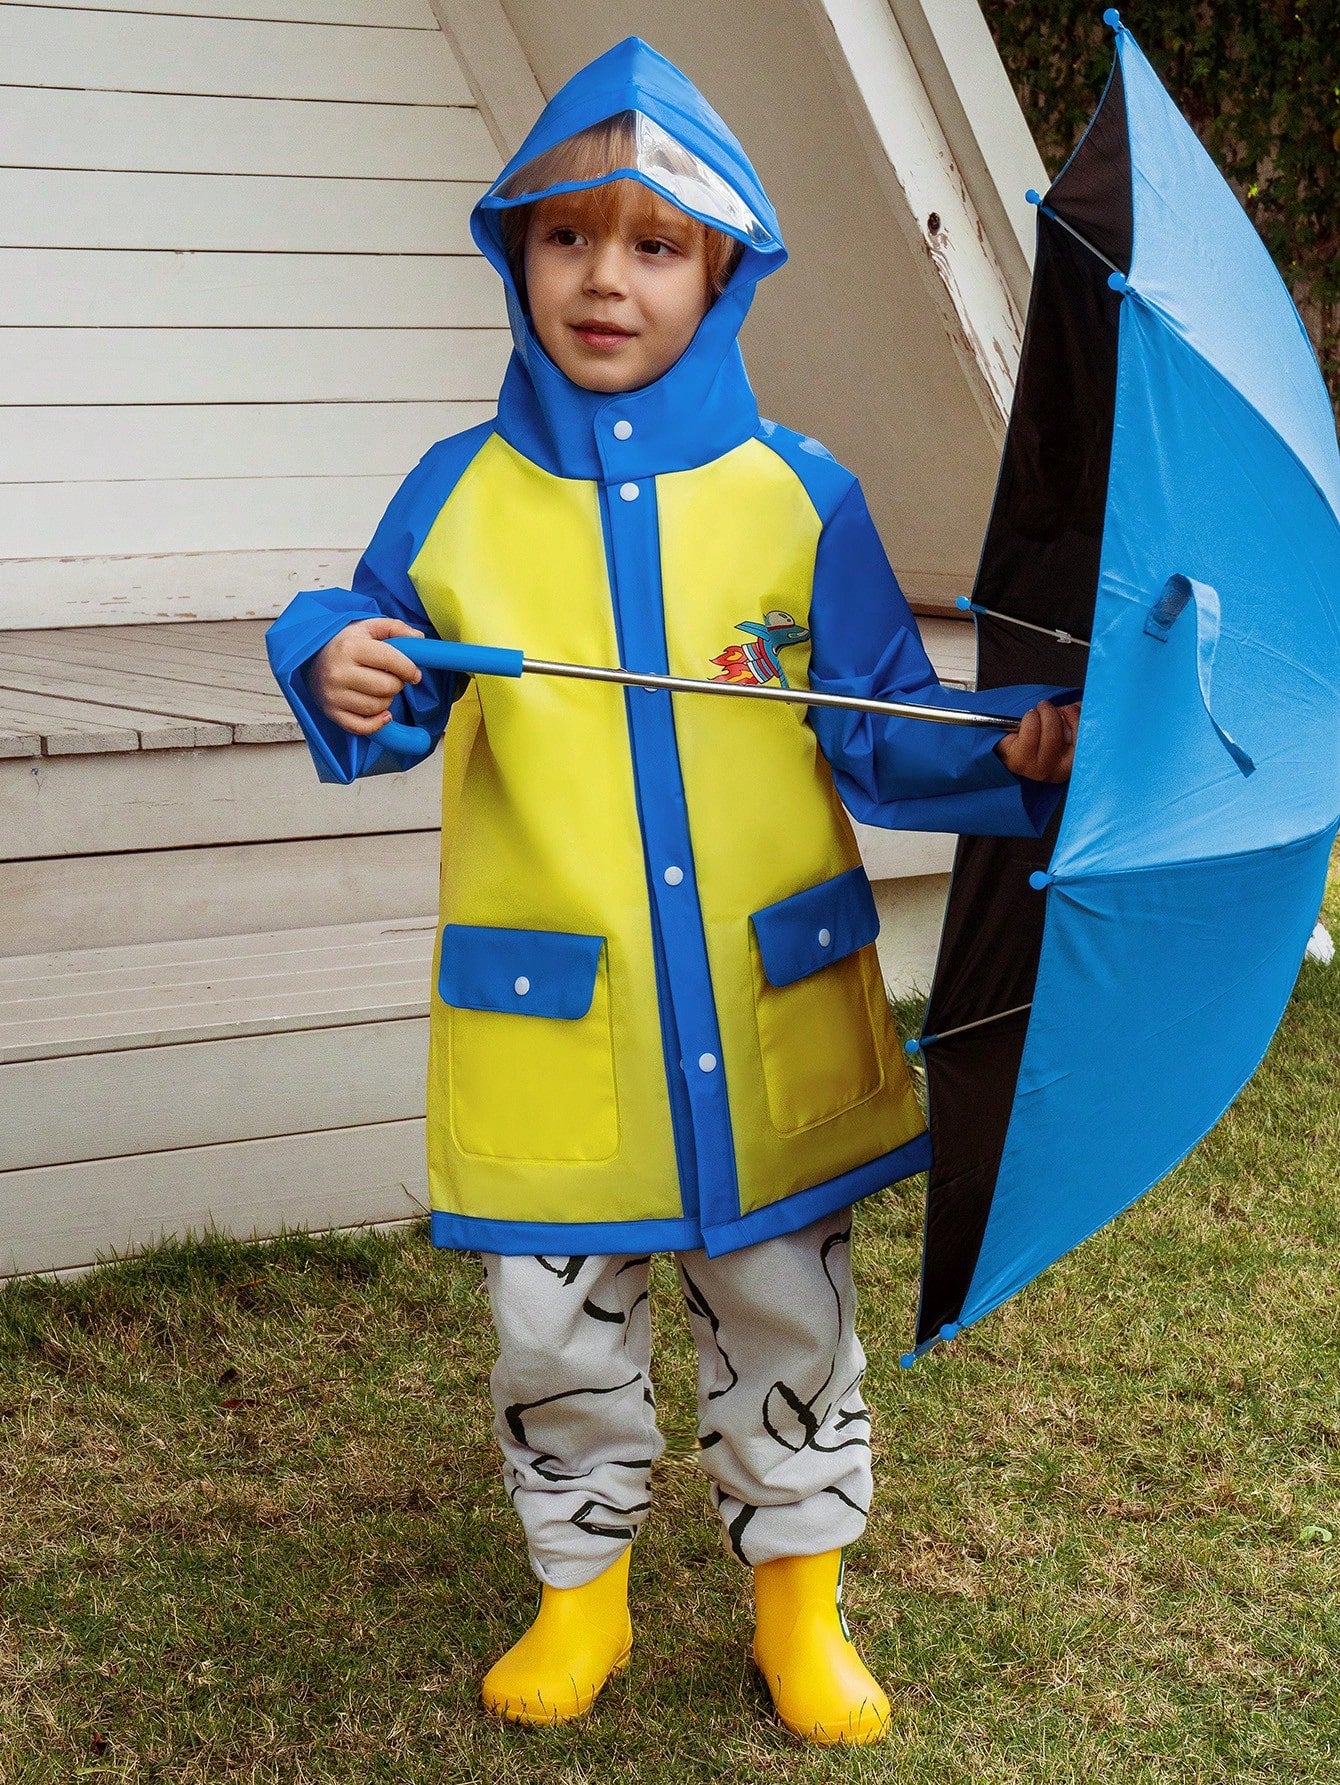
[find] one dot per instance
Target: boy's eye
(564, 236)
(653, 245)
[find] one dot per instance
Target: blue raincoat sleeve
(380, 586)
(905, 774)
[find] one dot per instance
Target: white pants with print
(783, 1431)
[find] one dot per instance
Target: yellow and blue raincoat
(658, 1018)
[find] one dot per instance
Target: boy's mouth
(594, 333)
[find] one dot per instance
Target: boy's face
(616, 291)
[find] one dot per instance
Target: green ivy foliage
(1259, 83)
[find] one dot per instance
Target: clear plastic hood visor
(640, 149)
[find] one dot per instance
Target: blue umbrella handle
(442, 653)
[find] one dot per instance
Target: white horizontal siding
(227, 440)
(91, 288)
(171, 133)
(406, 14)
(238, 295)
(131, 366)
(43, 208)
(40, 520)
(47, 46)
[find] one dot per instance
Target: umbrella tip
(963, 603)
(950, 1330)
(912, 1047)
(1039, 879)
(1116, 281)
(1033, 196)
(1113, 18)
(906, 1360)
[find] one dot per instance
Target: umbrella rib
(1084, 241)
(979, 1023)
(1058, 633)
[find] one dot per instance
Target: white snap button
(628, 491)
(673, 876)
(825, 937)
(622, 430)
(522, 986)
(707, 1062)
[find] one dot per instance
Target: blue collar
(702, 407)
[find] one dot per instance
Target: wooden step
(64, 901)
(83, 690)
(60, 1110)
(153, 1088)
(156, 994)
(174, 799)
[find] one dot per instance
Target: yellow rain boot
(580, 1637)
(820, 1686)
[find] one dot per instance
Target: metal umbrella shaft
(493, 660)
(801, 697)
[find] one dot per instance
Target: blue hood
(703, 405)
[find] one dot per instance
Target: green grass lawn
(252, 1529)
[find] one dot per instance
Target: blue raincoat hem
(469, 1233)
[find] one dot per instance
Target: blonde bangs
(595, 154)
(592, 154)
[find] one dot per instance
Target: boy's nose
(606, 274)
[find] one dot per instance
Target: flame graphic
(736, 665)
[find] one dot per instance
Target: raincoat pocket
(530, 1050)
(815, 986)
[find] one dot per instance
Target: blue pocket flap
(799, 935)
(529, 972)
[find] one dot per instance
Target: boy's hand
(357, 675)
(1043, 748)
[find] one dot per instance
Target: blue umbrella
(1167, 518)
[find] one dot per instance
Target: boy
(660, 1022)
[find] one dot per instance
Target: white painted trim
(983, 123)
(190, 515)
(914, 161)
(495, 67)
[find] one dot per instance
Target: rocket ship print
(758, 660)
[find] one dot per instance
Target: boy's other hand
(1043, 748)
(358, 674)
